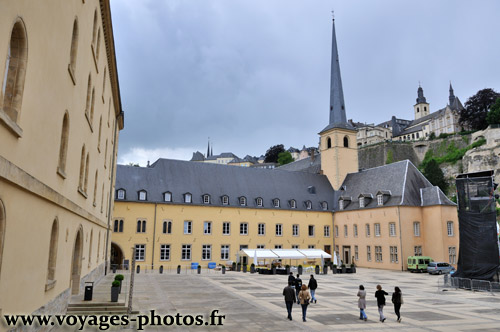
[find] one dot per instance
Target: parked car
(439, 268)
(418, 263)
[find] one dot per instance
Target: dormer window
(206, 199)
(142, 195)
(361, 202)
(276, 203)
(293, 204)
(308, 205)
(187, 198)
(225, 200)
(341, 204)
(380, 199)
(121, 194)
(259, 202)
(324, 206)
(167, 197)
(243, 201)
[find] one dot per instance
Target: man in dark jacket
(289, 294)
(291, 278)
(298, 286)
(313, 284)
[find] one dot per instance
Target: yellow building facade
(60, 116)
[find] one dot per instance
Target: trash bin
(89, 289)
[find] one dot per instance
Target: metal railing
(447, 283)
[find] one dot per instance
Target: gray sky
(252, 74)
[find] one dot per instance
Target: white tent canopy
(285, 253)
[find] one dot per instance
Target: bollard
(113, 266)
(161, 269)
(223, 269)
(199, 269)
(138, 268)
(178, 269)
(325, 269)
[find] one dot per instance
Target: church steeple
(420, 95)
(208, 148)
(421, 108)
(452, 96)
(337, 106)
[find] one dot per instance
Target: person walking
(304, 298)
(397, 299)
(313, 285)
(380, 295)
(291, 278)
(289, 294)
(362, 303)
(298, 286)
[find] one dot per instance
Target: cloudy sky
(250, 74)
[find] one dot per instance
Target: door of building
(347, 255)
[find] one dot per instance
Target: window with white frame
(380, 199)
(417, 251)
(295, 230)
(308, 205)
(140, 252)
(378, 254)
(369, 253)
(261, 229)
(206, 252)
(278, 246)
(392, 229)
(206, 199)
(377, 229)
(293, 204)
(224, 252)
(311, 246)
(449, 227)
(259, 202)
(243, 228)
(326, 231)
(276, 203)
(167, 197)
(186, 252)
(167, 227)
(165, 252)
(324, 206)
(310, 230)
(345, 231)
(341, 204)
(355, 230)
(142, 195)
(452, 255)
(243, 201)
(416, 228)
(367, 230)
(187, 198)
(279, 229)
(121, 194)
(361, 202)
(356, 253)
(188, 227)
(226, 228)
(207, 227)
(393, 254)
(336, 231)
(225, 200)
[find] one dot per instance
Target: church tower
(338, 145)
(421, 108)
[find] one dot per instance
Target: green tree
(273, 152)
(285, 158)
(432, 136)
(476, 109)
(493, 116)
(435, 175)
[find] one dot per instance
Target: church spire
(337, 106)
(452, 96)
(208, 148)
(420, 95)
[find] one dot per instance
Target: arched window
(346, 142)
(293, 204)
(418, 109)
(167, 227)
(206, 199)
(73, 52)
(121, 226)
(82, 169)
(225, 200)
(87, 161)
(243, 201)
(2, 232)
(143, 195)
(324, 206)
(141, 226)
(89, 95)
(120, 194)
(51, 271)
(276, 202)
(425, 109)
(99, 136)
(259, 202)
(328, 142)
(167, 196)
(63, 147)
(90, 246)
(308, 205)
(15, 71)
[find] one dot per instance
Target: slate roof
(180, 177)
(407, 187)
(338, 125)
(304, 165)
(198, 156)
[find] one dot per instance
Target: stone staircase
(97, 308)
